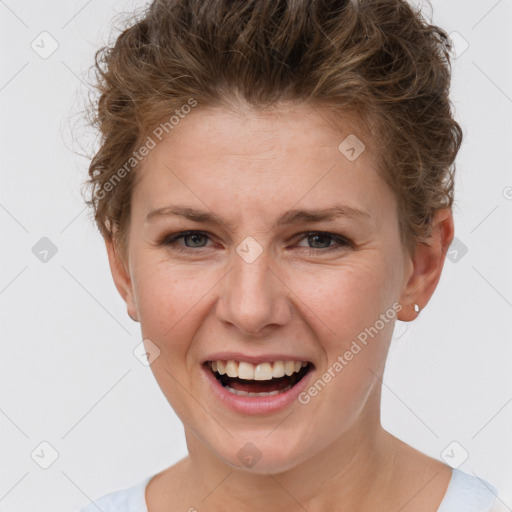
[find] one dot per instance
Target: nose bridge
(252, 296)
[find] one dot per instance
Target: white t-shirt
(465, 493)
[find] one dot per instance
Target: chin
(263, 457)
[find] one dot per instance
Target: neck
(356, 471)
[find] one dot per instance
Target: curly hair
(379, 60)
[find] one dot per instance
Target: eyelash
(343, 243)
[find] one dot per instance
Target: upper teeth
(262, 371)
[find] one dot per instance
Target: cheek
(168, 300)
(344, 300)
(170, 309)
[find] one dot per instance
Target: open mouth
(262, 384)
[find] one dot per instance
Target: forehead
(240, 131)
(248, 159)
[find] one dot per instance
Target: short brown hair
(377, 59)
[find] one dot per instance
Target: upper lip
(254, 359)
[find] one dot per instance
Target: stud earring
(416, 308)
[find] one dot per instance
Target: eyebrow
(288, 218)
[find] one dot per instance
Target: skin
(250, 167)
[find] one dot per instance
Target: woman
(274, 186)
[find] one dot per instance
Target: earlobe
(427, 264)
(122, 278)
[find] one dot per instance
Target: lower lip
(255, 404)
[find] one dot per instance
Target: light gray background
(68, 374)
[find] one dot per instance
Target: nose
(253, 296)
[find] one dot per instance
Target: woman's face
(254, 287)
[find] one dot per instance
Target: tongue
(259, 386)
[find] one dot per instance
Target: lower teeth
(247, 393)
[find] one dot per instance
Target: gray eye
(322, 237)
(194, 237)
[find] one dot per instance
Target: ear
(427, 265)
(122, 278)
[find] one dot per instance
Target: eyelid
(334, 236)
(341, 242)
(168, 239)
